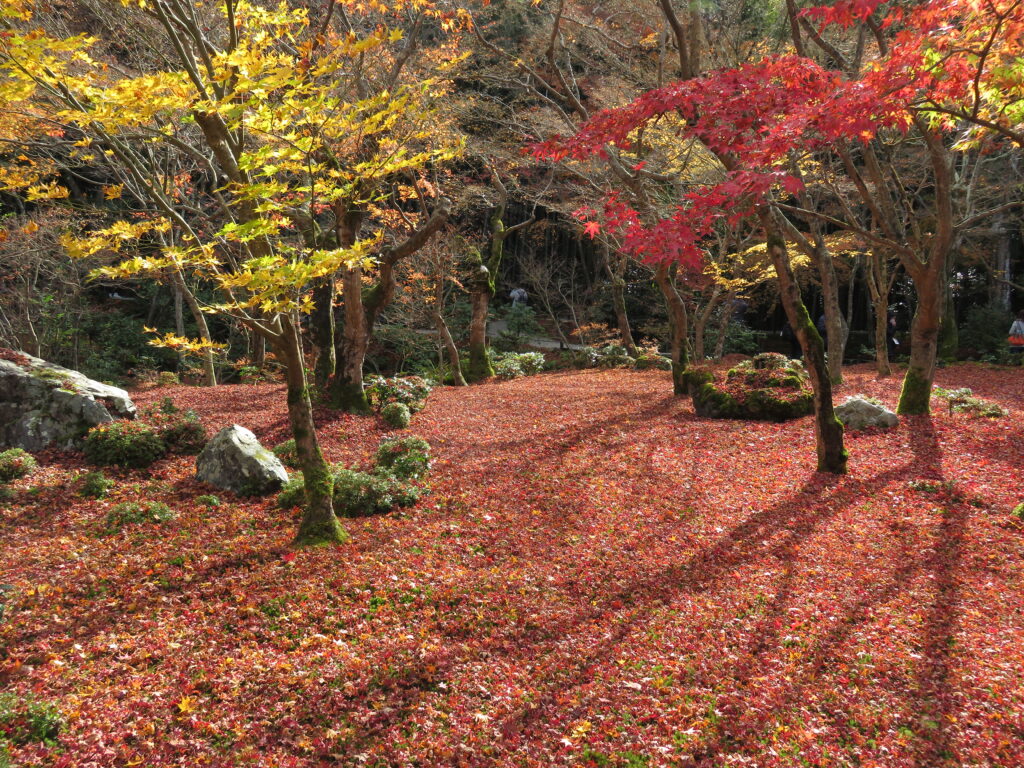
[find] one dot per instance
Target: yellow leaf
(187, 704)
(29, 228)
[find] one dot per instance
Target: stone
(858, 412)
(235, 461)
(43, 405)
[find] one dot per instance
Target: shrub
(1018, 511)
(411, 391)
(27, 721)
(124, 444)
(208, 500)
(614, 356)
(407, 457)
(648, 357)
(293, 493)
(16, 463)
(7, 494)
(185, 435)
(508, 367)
(167, 379)
(133, 513)
(287, 453)
(396, 415)
(521, 325)
(357, 494)
(963, 401)
(96, 485)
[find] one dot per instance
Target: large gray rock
(43, 405)
(858, 413)
(235, 460)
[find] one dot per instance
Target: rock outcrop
(859, 412)
(235, 460)
(43, 405)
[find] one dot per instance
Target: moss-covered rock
(768, 387)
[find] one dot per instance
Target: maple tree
(254, 101)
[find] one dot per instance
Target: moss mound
(768, 387)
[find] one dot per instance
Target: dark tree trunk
(828, 430)
(678, 325)
(915, 397)
(345, 389)
(481, 292)
(445, 335)
(319, 523)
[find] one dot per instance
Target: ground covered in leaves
(598, 578)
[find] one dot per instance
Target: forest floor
(597, 578)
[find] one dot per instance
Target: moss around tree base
(322, 533)
(916, 396)
(768, 387)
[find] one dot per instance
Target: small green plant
(293, 493)
(357, 494)
(412, 391)
(963, 401)
(7, 494)
(134, 513)
(396, 415)
(167, 379)
(407, 458)
(1018, 511)
(28, 721)
(287, 453)
(208, 500)
(125, 444)
(508, 367)
(167, 405)
(96, 485)
(184, 435)
(16, 463)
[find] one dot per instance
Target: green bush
(358, 494)
(124, 444)
(167, 379)
(16, 463)
(185, 435)
(27, 721)
(396, 415)
(208, 500)
(507, 367)
(134, 513)
(293, 493)
(411, 391)
(407, 458)
(96, 485)
(522, 324)
(287, 453)
(963, 401)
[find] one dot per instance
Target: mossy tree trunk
(678, 325)
(828, 430)
(483, 287)
(319, 523)
(362, 306)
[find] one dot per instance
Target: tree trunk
(209, 371)
(836, 341)
(480, 300)
(877, 278)
(319, 523)
(445, 335)
(678, 325)
(828, 430)
(345, 389)
(619, 304)
(723, 325)
(915, 398)
(701, 323)
(321, 330)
